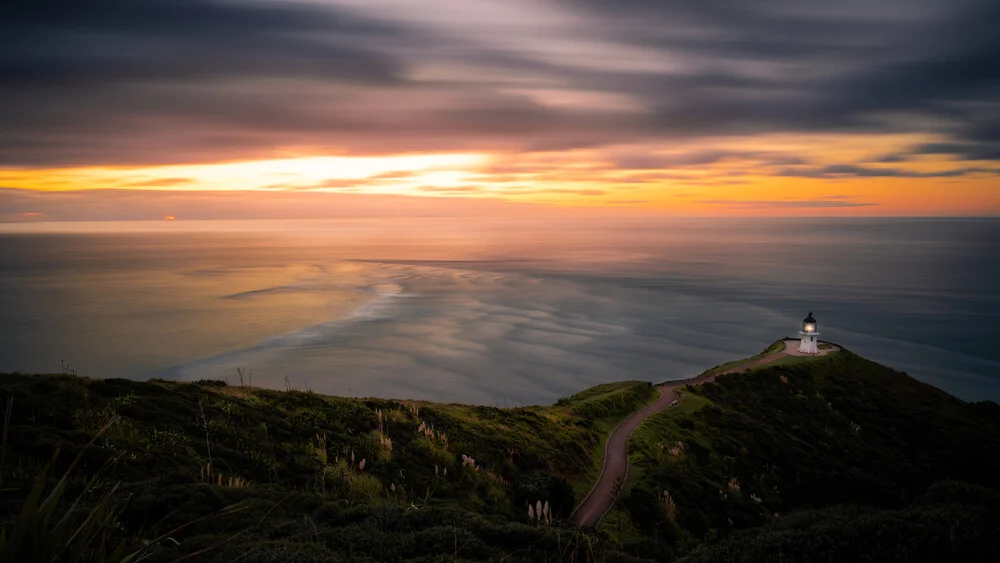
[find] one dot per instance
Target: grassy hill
(767, 453)
(314, 477)
(837, 459)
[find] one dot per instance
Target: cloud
(109, 42)
(393, 175)
(158, 182)
(828, 202)
(127, 204)
(835, 171)
(891, 158)
(198, 80)
(960, 151)
(977, 146)
(984, 130)
(346, 184)
(645, 160)
(655, 161)
(23, 217)
(803, 66)
(537, 191)
(451, 189)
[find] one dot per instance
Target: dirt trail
(602, 496)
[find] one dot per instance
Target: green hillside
(767, 452)
(836, 459)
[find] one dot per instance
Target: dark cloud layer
(65, 44)
(853, 171)
(118, 81)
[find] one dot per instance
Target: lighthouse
(809, 332)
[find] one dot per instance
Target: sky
(124, 109)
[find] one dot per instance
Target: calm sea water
(494, 310)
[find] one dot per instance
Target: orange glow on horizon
(746, 176)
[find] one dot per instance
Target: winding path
(600, 499)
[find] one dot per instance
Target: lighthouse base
(808, 344)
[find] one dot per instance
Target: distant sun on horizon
(168, 218)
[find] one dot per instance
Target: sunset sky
(129, 109)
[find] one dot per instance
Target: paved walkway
(600, 499)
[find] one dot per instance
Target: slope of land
(787, 453)
(614, 468)
(834, 459)
(318, 477)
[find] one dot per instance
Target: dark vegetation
(291, 475)
(609, 399)
(836, 459)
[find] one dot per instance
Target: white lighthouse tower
(809, 332)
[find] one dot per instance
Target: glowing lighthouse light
(809, 334)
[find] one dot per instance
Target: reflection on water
(522, 311)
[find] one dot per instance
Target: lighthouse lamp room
(809, 333)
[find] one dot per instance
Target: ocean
(494, 311)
